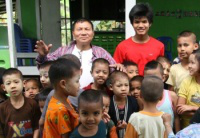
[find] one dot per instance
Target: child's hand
(121, 124)
(166, 119)
(181, 108)
(105, 117)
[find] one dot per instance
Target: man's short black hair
(62, 69)
(151, 65)
(90, 96)
(141, 10)
(152, 89)
(11, 71)
(81, 20)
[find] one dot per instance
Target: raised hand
(41, 48)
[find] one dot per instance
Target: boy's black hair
(81, 20)
(197, 56)
(102, 61)
(46, 64)
(36, 81)
(105, 94)
(42, 96)
(152, 89)
(1, 75)
(90, 96)
(11, 71)
(141, 10)
(115, 74)
(129, 63)
(72, 58)
(151, 65)
(62, 69)
(138, 78)
(187, 33)
(162, 59)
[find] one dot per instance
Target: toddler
(31, 87)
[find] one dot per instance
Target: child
(61, 117)
(100, 72)
(21, 120)
(166, 68)
(189, 93)
(135, 89)
(42, 96)
(44, 77)
(90, 108)
(3, 96)
(140, 48)
(148, 122)
(131, 69)
(121, 105)
(169, 100)
(186, 44)
(32, 87)
(110, 126)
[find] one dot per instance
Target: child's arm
(36, 133)
(184, 109)
(174, 98)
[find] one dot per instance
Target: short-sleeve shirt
(190, 90)
(176, 75)
(101, 133)
(19, 122)
(59, 119)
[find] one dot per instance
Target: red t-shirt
(139, 53)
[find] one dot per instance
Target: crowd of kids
(80, 94)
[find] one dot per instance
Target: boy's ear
(24, 82)
(150, 24)
(62, 84)
(196, 46)
(110, 87)
(81, 70)
(3, 87)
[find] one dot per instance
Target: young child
(21, 120)
(44, 77)
(110, 126)
(169, 100)
(90, 108)
(61, 117)
(100, 72)
(148, 122)
(186, 44)
(131, 68)
(31, 87)
(166, 68)
(3, 96)
(189, 93)
(121, 105)
(135, 89)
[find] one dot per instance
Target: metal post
(11, 40)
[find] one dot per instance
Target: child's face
(41, 104)
(120, 87)
(100, 73)
(90, 114)
(185, 47)
(135, 88)
(44, 77)
(13, 85)
(72, 85)
(155, 72)
(166, 70)
(106, 104)
(193, 65)
(141, 26)
(31, 89)
(132, 71)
